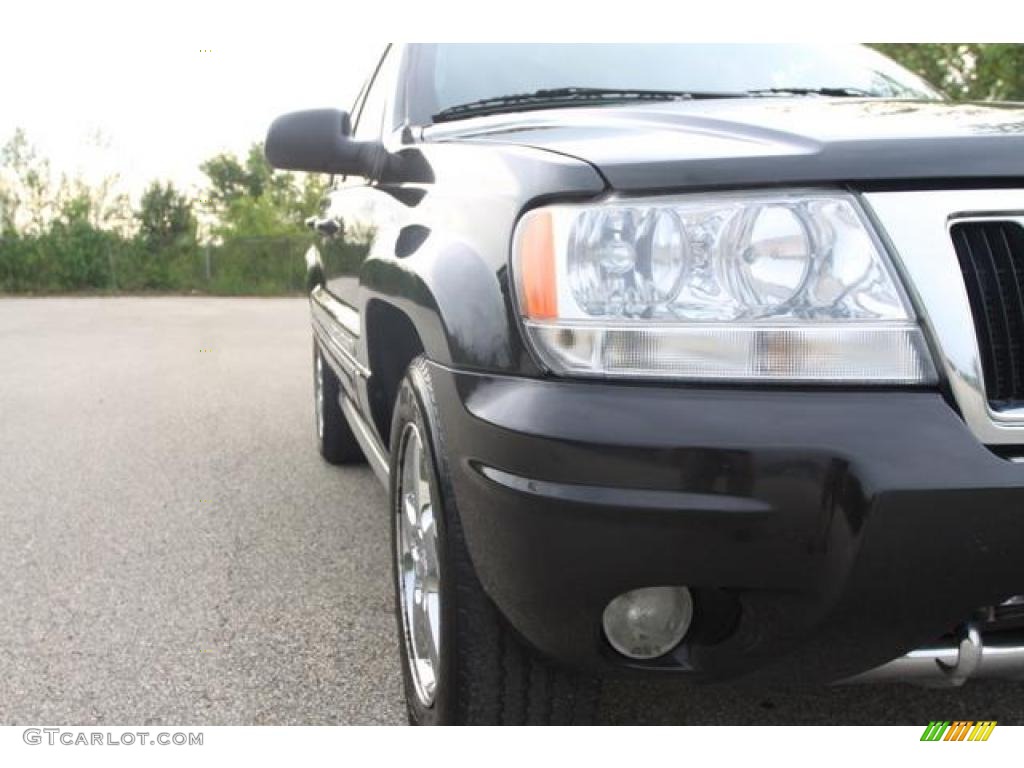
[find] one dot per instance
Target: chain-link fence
(256, 265)
(96, 261)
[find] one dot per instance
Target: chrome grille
(919, 226)
(991, 256)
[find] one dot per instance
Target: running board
(951, 666)
(375, 455)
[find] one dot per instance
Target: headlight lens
(772, 253)
(782, 286)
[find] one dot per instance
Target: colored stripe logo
(958, 730)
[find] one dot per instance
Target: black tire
(487, 675)
(334, 436)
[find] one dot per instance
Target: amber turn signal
(536, 245)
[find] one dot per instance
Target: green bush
(258, 265)
(73, 237)
(77, 257)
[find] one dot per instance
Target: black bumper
(824, 532)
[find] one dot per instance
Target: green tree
(965, 71)
(250, 199)
(229, 181)
(100, 204)
(232, 179)
(165, 217)
(1000, 71)
(26, 192)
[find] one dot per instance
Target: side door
(352, 206)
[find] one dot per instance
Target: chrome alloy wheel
(318, 392)
(419, 572)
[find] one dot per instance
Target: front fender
(441, 252)
(456, 300)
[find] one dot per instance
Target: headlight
(780, 286)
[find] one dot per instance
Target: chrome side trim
(340, 312)
(364, 435)
(338, 352)
(334, 334)
(917, 227)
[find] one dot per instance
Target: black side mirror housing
(319, 141)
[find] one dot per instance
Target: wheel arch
(393, 342)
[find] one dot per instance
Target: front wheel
(461, 661)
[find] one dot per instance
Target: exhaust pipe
(951, 666)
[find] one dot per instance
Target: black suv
(692, 360)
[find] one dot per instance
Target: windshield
(456, 74)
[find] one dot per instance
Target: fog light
(650, 622)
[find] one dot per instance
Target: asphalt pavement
(173, 550)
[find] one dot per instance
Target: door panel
(343, 253)
(353, 204)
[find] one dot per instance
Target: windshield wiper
(839, 92)
(551, 98)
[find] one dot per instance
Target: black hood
(757, 141)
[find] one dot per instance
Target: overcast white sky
(133, 74)
(137, 96)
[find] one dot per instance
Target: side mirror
(318, 141)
